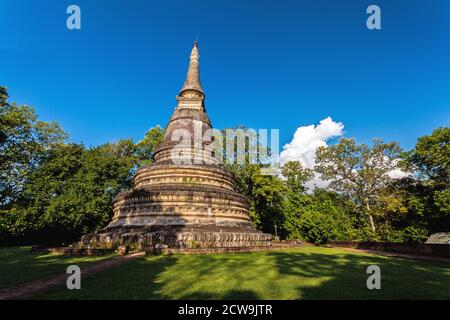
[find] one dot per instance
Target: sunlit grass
(19, 265)
(303, 273)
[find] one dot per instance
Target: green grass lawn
(303, 273)
(19, 265)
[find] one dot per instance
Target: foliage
(296, 176)
(71, 192)
(145, 147)
(431, 157)
(426, 196)
(54, 191)
(313, 217)
(264, 192)
(360, 172)
(317, 217)
(431, 161)
(23, 141)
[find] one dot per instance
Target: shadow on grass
(19, 265)
(307, 273)
(344, 276)
(136, 279)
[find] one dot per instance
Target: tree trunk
(372, 223)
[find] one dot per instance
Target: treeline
(53, 191)
(372, 193)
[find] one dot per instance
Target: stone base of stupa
(168, 208)
(179, 237)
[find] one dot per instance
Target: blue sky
(264, 64)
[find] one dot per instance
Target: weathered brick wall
(433, 250)
(68, 251)
(274, 246)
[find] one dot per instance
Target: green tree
(427, 195)
(264, 192)
(23, 141)
(71, 192)
(360, 172)
(315, 217)
(44, 187)
(296, 176)
(430, 158)
(318, 217)
(146, 147)
(412, 212)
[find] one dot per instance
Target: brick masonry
(430, 250)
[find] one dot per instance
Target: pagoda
(183, 199)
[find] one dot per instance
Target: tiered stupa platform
(183, 199)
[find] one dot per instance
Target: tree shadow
(19, 265)
(165, 278)
(344, 276)
(135, 279)
(317, 273)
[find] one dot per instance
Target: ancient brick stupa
(183, 203)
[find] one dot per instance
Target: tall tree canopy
(427, 196)
(23, 141)
(51, 191)
(359, 171)
(431, 157)
(296, 176)
(265, 193)
(71, 192)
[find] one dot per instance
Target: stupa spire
(192, 81)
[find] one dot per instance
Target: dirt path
(28, 289)
(398, 255)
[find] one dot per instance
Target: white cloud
(307, 139)
(305, 142)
